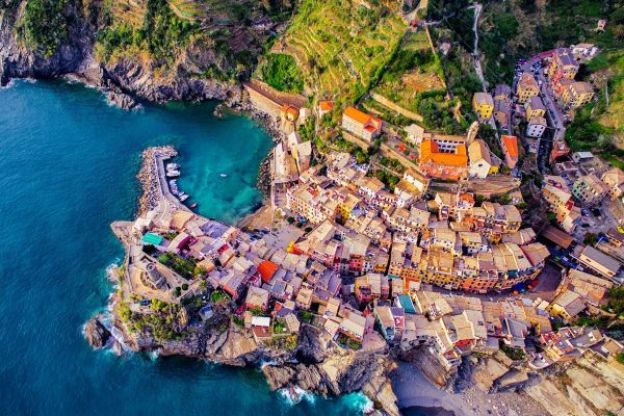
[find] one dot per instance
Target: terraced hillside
(342, 46)
(415, 70)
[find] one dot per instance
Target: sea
(68, 165)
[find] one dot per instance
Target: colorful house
(483, 105)
(562, 65)
(527, 87)
(535, 108)
(267, 270)
(578, 94)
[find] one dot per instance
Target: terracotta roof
(429, 153)
(361, 117)
(510, 144)
(267, 269)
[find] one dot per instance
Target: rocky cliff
(136, 50)
(316, 364)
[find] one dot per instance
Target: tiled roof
(360, 116)
(429, 153)
(510, 144)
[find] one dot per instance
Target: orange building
(509, 146)
(361, 124)
(443, 165)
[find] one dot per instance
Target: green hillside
(341, 46)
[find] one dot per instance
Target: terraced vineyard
(414, 70)
(342, 46)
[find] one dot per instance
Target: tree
(590, 239)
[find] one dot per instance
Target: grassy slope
(342, 46)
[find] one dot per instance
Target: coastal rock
(589, 386)
(189, 346)
(429, 365)
(237, 349)
(486, 372)
(311, 348)
(96, 333)
(512, 378)
(121, 100)
(278, 376)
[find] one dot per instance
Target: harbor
(155, 177)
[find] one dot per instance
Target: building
(361, 124)
(567, 305)
(509, 146)
(614, 179)
(353, 326)
(534, 108)
(414, 134)
(562, 65)
(527, 87)
(502, 92)
(480, 160)
(589, 190)
(483, 105)
(257, 298)
(371, 286)
(584, 51)
(577, 94)
(443, 164)
(536, 127)
(599, 262)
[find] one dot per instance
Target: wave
(359, 402)
(295, 395)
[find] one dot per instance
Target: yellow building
(527, 88)
(578, 94)
(535, 108)
(563, 65)
(483, 105)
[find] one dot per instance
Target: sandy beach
(414, 390)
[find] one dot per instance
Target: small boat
(183, 197)
(172, 166)
(173, 173)
(193, 205)
(223, 175)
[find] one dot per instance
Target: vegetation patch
(45, 25)
(280, 72)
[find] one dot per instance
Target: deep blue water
(67, 170)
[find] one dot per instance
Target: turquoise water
(68, 164)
